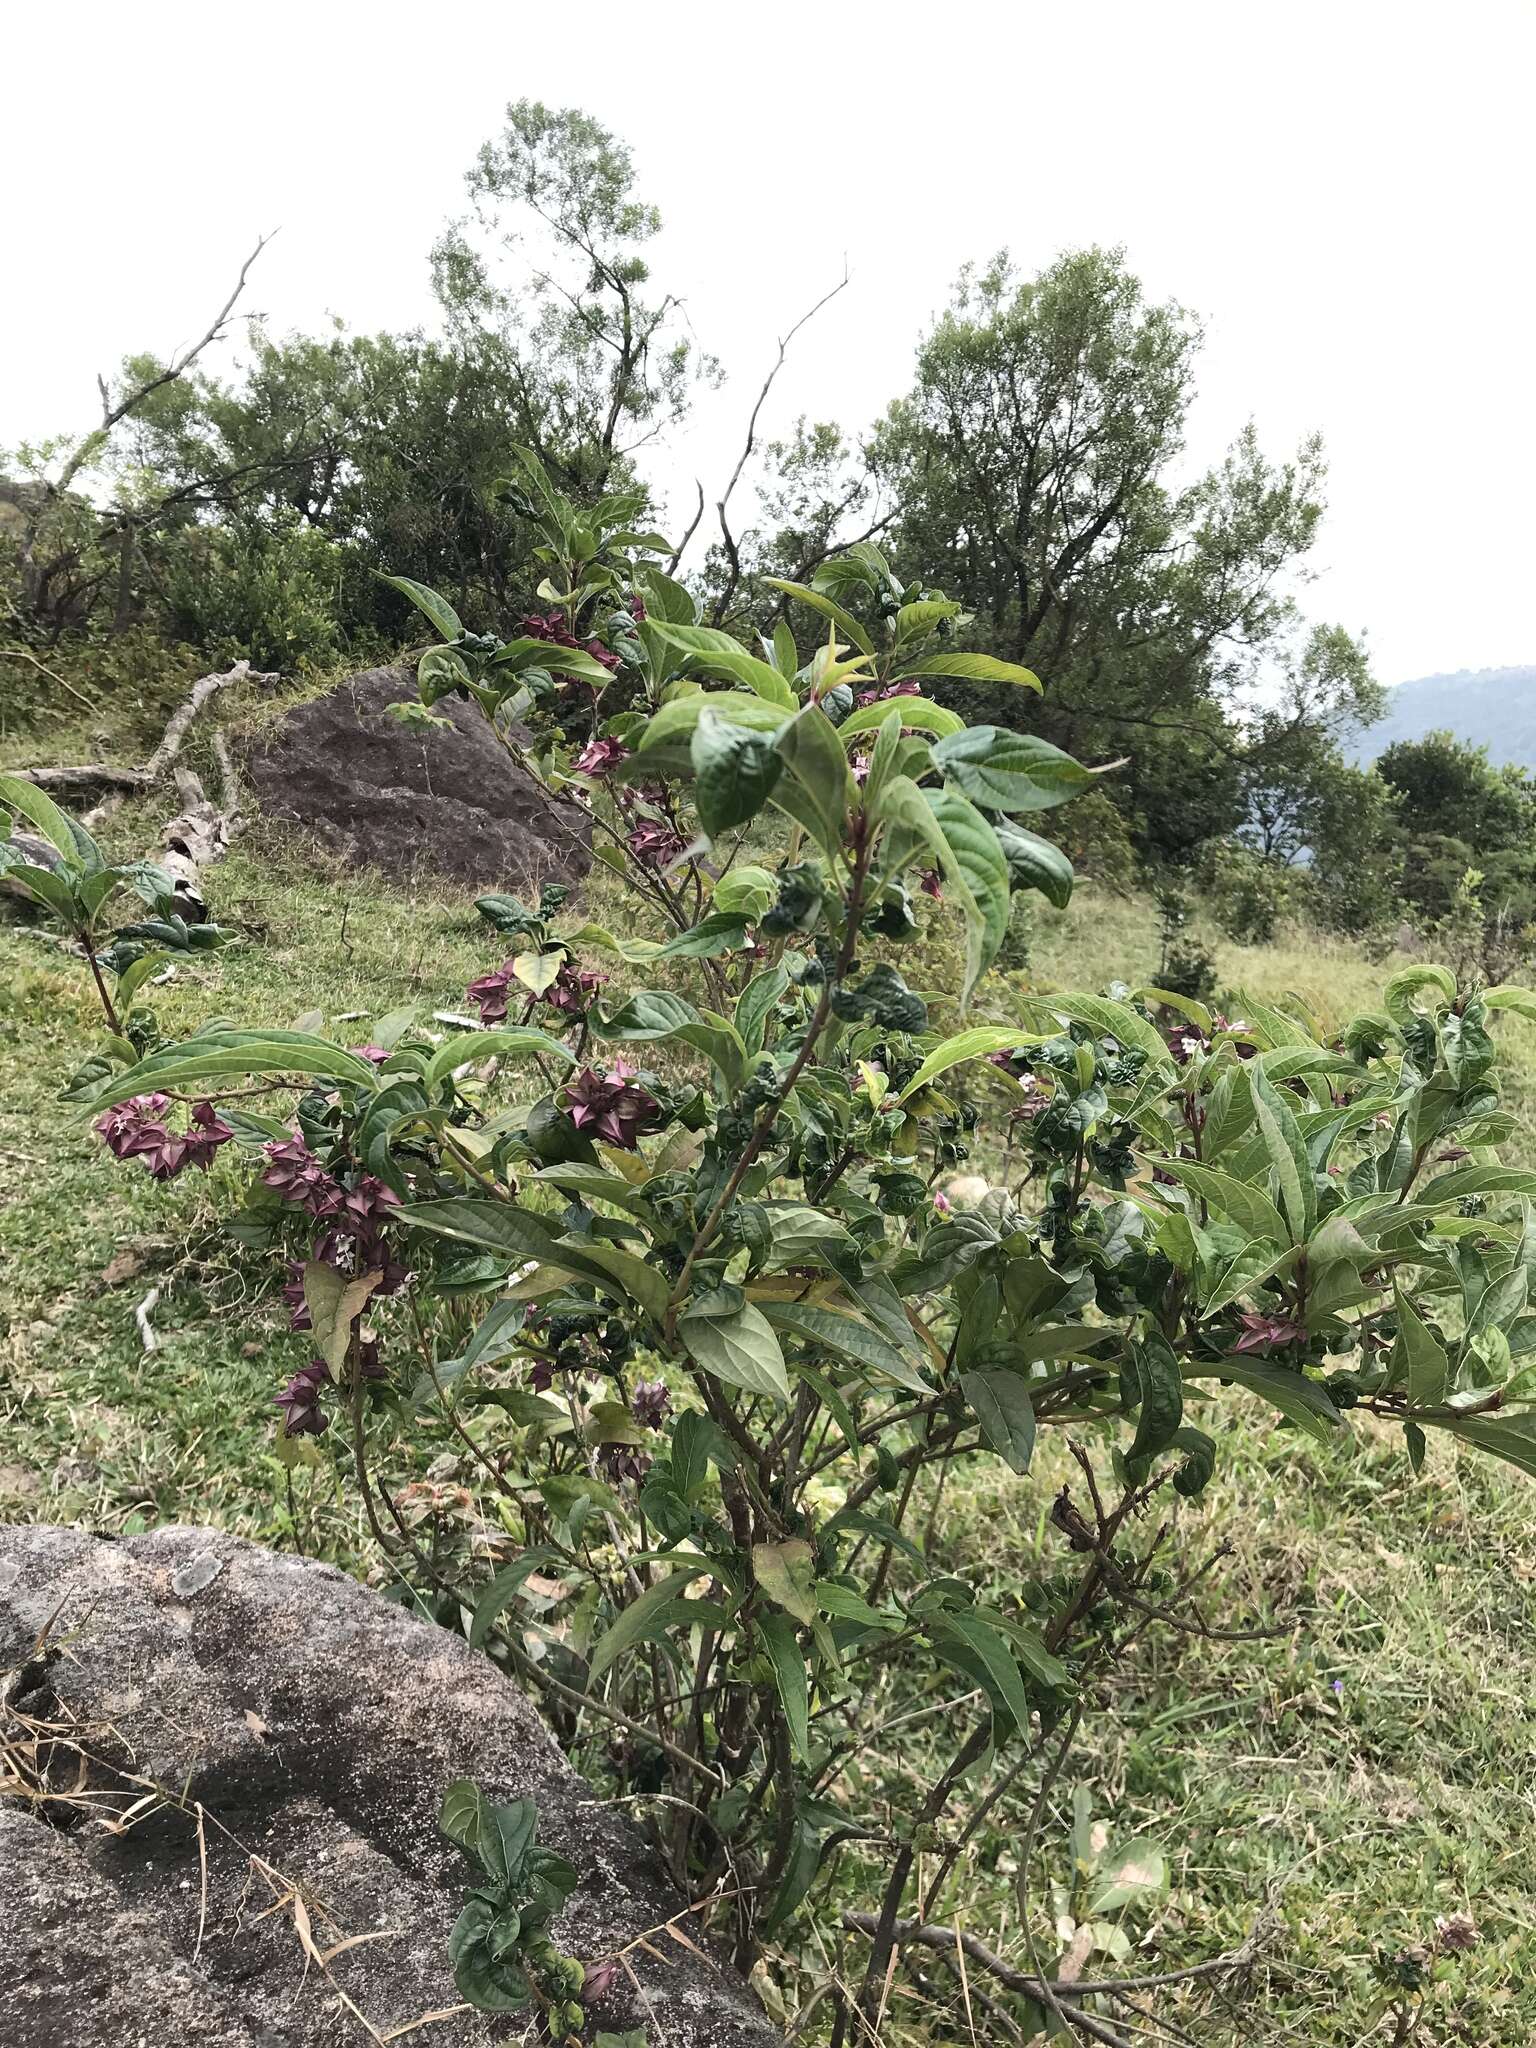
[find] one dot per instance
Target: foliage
(705, 1289)
(503, 1959)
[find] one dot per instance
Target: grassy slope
(1367, 1767)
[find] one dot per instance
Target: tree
(1032, 466)
(548, 263)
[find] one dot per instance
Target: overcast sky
(1341, 192)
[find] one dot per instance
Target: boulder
(314, 1725)
(448, 803)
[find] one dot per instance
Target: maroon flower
(618, 1462)
(654, 844)
(1263, 1333)
(650, 1403)
(490, 992)
(297, 1176)
(206, 1132)
(377, 1053)
(573, 991)
(612, 1105)
(600, 757)
(928, 882)
(909, 688)
(551, 626)
(637, 606)
(297, 1300)
(137, 1130)
(1185, 1042)
(300, 1401)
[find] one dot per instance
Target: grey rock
(317, 1725)
(447, 803)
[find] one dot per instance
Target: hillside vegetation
(1361, 1771)
(1493, 708)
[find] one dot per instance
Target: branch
(112, 414)
(723, 600)
(926, 1935)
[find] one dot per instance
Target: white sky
(1342, 192)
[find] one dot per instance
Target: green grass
(1362, 1769)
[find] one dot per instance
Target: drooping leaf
(445, 620)
(1001, 1404)
(846, 1337)
(787, 1574)
(1035, 863)
(1009, 771)
(777, 1632)
(735, 771)
(973, 668)
(740, 1349)
(1418, 1357)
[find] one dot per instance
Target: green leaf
(800, 1235)
(847, 1337)
(211, 1055)
(1009, 771)
(845, 622)
(778, 1636)
(740, 1349)
(755, 1005)
(973, 668)
(1159, 1387)
(787, 1574)
(464, 1815)
(39, 809)
(333, 1300)
(1511, 1437)
(442, 614)
(1298, 1399)
(466, 1046)
(1001, 1404)
(991, 1647)
(1418, 1358)
(1397, 996)
(1034, 863)
(1520, 1001)
(497, 1598)
(494, 1226)
(1246, 1206)
(719, 932)
(643, 1616)
(813, 754)
(675, 721)
(917, 621)
(734, 773)
(637, 1278)
(654, 1014)
(718, 654)
(1105, 1018)
(745, 892)
(975, 1044)
(1288, 1157)
(915, 711)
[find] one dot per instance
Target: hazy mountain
(1489, 707)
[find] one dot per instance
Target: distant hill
(1488, 707)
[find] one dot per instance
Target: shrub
(677, 1273)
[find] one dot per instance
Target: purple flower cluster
(571, 992)
(137, 1130)
(618, 1462)
(650, 1403)
(909, 688)
(655, 844)
(1263, 1333)
(611, 1105)
(551, 626)
(300, 1399)
(600, 757)
(354, 1217)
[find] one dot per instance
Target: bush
(676, 1274)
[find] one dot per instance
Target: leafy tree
(548, 264)
(1032, 469)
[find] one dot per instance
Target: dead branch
(723, 601)
(201, 831)
(54, 489)
(1045, 1992)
